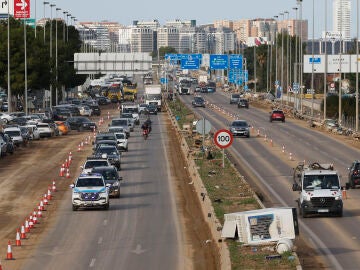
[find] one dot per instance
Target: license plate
(323, 211)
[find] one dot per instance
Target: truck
(202, 80)
(153, 95)
(184, 87)
(319, 189)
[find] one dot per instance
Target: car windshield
(122, 122)
(105, 137)
(120, 136)
(198, 99)
(108, 174)
(127, 115)
(312, 182)
(278, 112)
(116, 129)
(89, 182)
(95, 163)
(106, 150)
(236, 96)
(130, 110)
(13, 133)
(239, 124)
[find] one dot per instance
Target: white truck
(153, 95)
(202, 80)
(320, 190)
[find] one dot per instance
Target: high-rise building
(341, 17)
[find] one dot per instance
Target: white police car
(90, 190)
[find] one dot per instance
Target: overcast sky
(203, 11)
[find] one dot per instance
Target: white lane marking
(105, 222)
(100, 240)
(92, 263)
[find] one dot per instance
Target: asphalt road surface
(335, 240)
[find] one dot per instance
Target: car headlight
(232, 129)
(306, 197)
(338, 198)
(115, 184)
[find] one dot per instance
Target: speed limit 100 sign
(223, 138)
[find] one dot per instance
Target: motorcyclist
(148, 124)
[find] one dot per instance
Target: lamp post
(67, 26)
(8, 59)
(276, 59)
(287, 54)
(51, 70)
(56, 58)
(35, 18)
(282, 58)
(299, 2)
(312, 62)
(296, 55)
(326, 61)
(25, 69)
(357, 69)
(45, 3)
(64, 12)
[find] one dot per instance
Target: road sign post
(223, 139)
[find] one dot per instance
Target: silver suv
(240, 128)
(90, 190)
(234, 98)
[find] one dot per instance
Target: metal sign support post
(223, 158)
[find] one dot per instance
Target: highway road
(140, 230)
(337, 240)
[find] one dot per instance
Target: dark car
(277, 115)
(95, 109)
(111, 177)
(111, 153)
(354, 174)
(198, 102)
(243, 103)
(240, 128)
(152, 109)
(4, 107)
(3, 144)
(103, 100)
(80, 123)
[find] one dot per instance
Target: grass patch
(229, 192)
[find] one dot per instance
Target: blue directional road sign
(190, 63)
(235, 61)
(219, 61)
(163, 80)
(315, 60)
(190, 56)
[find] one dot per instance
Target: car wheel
(126, 150)
(283, 121)
(339, 214)
(248, 136)
(107, 206)
(81, 128)
(303, 213)
(74, 208)
(118, 195)
(352, 185)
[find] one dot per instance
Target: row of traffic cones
(34, 217)
(30, 222)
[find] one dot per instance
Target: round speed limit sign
(223, 138)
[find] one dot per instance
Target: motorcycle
(145, 133)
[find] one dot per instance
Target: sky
(203, 11)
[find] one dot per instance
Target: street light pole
(326, 61)
(45, 3)
(276, 58)
(312, 62)
(357, 69)
(56, 58)
(296, 57)
(64, 12)
(51, 70)
(8, 59)
(287, 55)
(282, 57)
(67, 26)
(25, 69)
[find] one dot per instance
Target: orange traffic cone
(31, 222)
(48, 196)
(53, 186)
(67, 173)
(41, 204)
(27, 227)
(0, 266)
(22, 232)
(46, 202)
(39, 212)
(18, 241)
(79, 148)
(9, 255)
(61, 173)
(70, 156)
